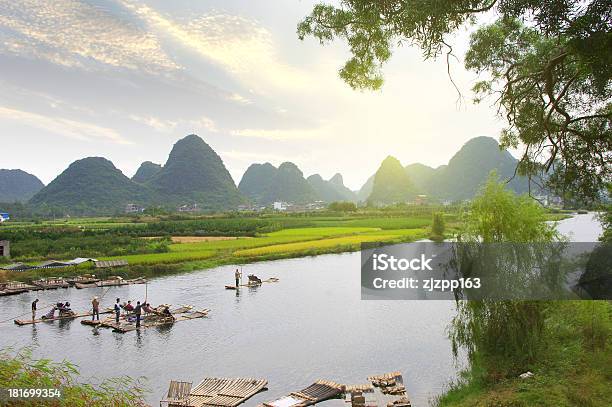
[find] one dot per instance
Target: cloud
(240, 45)
(235, 97)
(155, 123)
(204, 123)
(63, 127)
(77, 34)
(283, 134)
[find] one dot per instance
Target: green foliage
(437, 226)
(502, 338)
(342, 206)
(550, 77)
(573, 367)
(498, 215)
(20, 370)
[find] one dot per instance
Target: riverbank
(573, 370)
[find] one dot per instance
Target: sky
(126, 79)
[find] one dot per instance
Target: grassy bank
(18, 370)
(574, 367)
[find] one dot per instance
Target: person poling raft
(254, 281)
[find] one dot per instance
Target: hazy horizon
(125, 80)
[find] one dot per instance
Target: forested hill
(18, 185)
(264, 184)
(195, 174)
(331, 190)
(460, 179)
(391, 184)
(146, 171)
(91, 186)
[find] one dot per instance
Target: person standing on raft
(95, 305)
(117, 311)
(238, 277)
(138, 311)
(34, 309)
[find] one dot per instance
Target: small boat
(231, 287)
(51, 283)
(13, 288)
(80, 286)
(5, 292)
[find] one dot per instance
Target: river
(311, 325)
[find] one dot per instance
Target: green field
(146, 242)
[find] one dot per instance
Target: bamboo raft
(119, 282)
(16, 287)
(84, 279)
(317, 392)
(385, 390)
(110, 283)
(224, 392)
(184, 313)
(109, 322)
(22, 322)
(50, 283)
(252, 284)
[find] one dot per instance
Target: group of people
(131, 310)
(136, 311)
(63, 309)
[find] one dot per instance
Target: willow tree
(547, 66)
(502, 337)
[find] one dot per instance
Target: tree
(501, 337)
(547, 63)
(437, 226)
(342, 206)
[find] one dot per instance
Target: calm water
(310, 325)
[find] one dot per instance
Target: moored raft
(22, 322)
(253, 283)
(183, 313)
(15, 287)
(83, 279)
(317, 392)
(386, 390)
(222, 392)
(50, 283)
(118, 281)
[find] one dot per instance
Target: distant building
(420, 200)
(280, 206)
(5, 248)
(4, 217)
(189, 208)
(133, 208)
